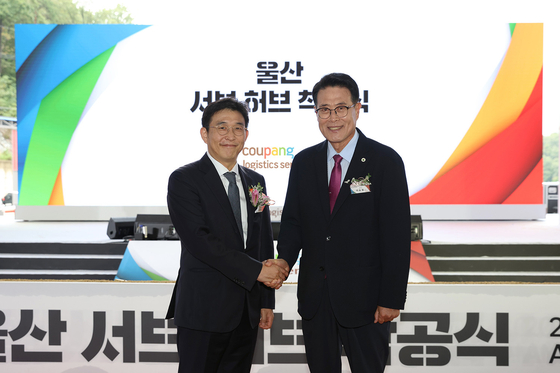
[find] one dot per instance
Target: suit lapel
(215, 185)
(322, 187)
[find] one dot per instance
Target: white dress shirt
(347, 153)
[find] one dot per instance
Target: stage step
(449, 262)
(494, 262)
(60, 261)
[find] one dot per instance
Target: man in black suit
(219, 298)
(347, 208)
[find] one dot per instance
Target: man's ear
(357, 108)
(204, 134)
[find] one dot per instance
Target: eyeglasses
(224, 130)
(340, 111)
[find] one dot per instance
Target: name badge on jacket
(356, 189)
(360, 184)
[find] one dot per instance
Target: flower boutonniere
(359, 185)
(258, 199)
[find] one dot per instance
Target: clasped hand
(274, 272)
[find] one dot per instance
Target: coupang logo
(269, 157)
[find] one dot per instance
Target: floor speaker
(154, 227)
(416, 232)
(120, 227)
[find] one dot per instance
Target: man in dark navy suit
(219, 299)
(347, 210)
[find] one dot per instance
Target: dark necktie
(334, 184)
(233, 195)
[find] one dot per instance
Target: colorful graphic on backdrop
(499, 160)
(57, 68)
(87, 97)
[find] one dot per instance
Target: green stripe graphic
(153, 276)
(57, 119)
(512, 28)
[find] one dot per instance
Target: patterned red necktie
(334, 184)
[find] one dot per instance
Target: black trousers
(208, 352)
(367, 346)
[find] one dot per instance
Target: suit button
(321, 269)
(328, 238)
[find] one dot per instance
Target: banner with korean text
(119, 327)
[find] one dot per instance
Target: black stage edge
(536, 263)
(61, 261)
(494, 262)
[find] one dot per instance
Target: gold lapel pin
(363, 160)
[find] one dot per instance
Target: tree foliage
(550, 157)
(112, 16)
(7, 96)
(5, 144)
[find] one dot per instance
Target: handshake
(274, 272)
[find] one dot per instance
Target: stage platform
(543, 231)
(457, 251)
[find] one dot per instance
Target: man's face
(225, 148)
(338, 131)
